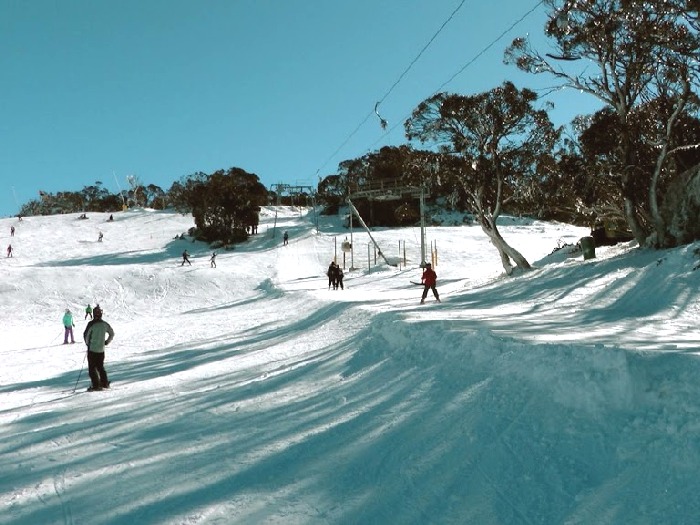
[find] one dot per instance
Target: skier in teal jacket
(68, 325)
(94, 337)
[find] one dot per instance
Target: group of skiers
(186, 259)
(335, 276)
(10, 249)
(9, 246)
(98, 334)
(428, 280)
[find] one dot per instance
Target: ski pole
(57, 336)
(81, 371)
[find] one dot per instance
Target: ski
(100, 389)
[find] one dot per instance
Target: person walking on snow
(9, 250)
(99, 237)
(12, 231)
(68, 326)
(185, 258)
(429, 280)
(88, 311)
(212, 261)
(285, 239)
(94, 337)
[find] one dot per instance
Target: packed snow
(251, 393)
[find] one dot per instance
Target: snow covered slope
(250, 393)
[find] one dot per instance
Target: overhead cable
(405, 71)
(469, 63)
(459, 72)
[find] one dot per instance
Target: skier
(94, 337)
(429, 280)
(9, 250)
(339, 277)
(185, 258)
(331, 275)
(99, 237)
(68, 326)
(12, 231)
(88, 311)
(285, 239)
(213, 260)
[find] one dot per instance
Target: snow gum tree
(491, 144)
(223, 204)
(628, 53)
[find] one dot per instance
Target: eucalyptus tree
(627, 53)
(494, 145)
(234, 197)
(92, 197)
(223, 204)
(155, 196)
(187, 194)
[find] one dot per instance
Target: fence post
(369, 259)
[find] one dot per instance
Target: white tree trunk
(508, 254)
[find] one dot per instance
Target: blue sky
(98, 90)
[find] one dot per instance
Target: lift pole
(362, 222)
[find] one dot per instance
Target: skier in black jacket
(94, 337)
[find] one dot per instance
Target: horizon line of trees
(634, 164)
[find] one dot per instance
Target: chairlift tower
(293, 190)
(383, 190)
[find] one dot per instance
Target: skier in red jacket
(429, 280)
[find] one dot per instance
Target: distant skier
(9, 250)
(99, 237)
(429, 280)
(212, 261)
(12, 231)
(111, 218)
(68, 326)
(88, 312)
(285, 239)
(94, 337)
(185, 258)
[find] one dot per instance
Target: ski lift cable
(490, 45)
(469, 63)
(382, 121)
(345, 142)
(425, 47)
